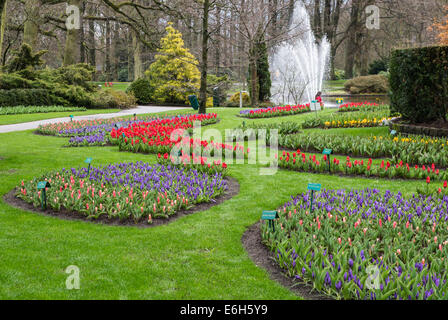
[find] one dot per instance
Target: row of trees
(120, 38)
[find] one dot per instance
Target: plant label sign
(88, 160)
(393, 132)
(314, 186)
(269, 215)
(327, 152)
(43, 185)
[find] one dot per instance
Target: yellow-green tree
(174, 74)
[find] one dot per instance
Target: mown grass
(196, 257)
(21, 118)
(118, 86)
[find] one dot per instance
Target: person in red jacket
(318, 98)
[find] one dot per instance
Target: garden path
(138, 110)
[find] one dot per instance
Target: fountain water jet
(298, 67)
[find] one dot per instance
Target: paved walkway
(138, 110)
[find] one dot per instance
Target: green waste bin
(194, 101)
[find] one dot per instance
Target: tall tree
(3, 5)
(204, 55)
(72, 39)
(31, 27)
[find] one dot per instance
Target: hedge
(18, 97)
(419, 83)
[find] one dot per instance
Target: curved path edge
(264, 258)
(126, 112)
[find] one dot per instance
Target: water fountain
(298, 66)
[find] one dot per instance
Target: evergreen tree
(174, 74)
(264, 76)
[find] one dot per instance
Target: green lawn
(195, 257)
(119, 86)
(20, 118)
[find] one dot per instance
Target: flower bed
(362, 106)
(299, 161)
(413, 150)
(126, 191)
(275, 111)
(196, 162)
(155, 137)
(351, 233)
(350, 120)
(98, 132)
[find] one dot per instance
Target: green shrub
(142, 90)
(367, 84)
(18, 97)
(14, 81)
(174, 73)
(339, 74)
(378, 66)
(74, 75)
(123, 75)
(113, 99)
(236, 98)
(122, 99)
(419, 83)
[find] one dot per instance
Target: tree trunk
(31, 26)
(116, 41)
(3, 5)
(204, 61)
(138, 66)
(317, 20)
(218, 42)
(350, 48)
(71, 41)
(253, 74)
(107, 58)
(91, 41)
(82, 44)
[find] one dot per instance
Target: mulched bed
(264, 258)
(233, 190)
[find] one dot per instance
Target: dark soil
(233, 190)
(264, 258)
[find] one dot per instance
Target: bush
(21, 97)
(339, 74)
(236, 98)
(174, 73)
(123, 75)
(209, 103)
(367, 84)
(113, 99)
(419, 83)
(142, 90)
(378, 66)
